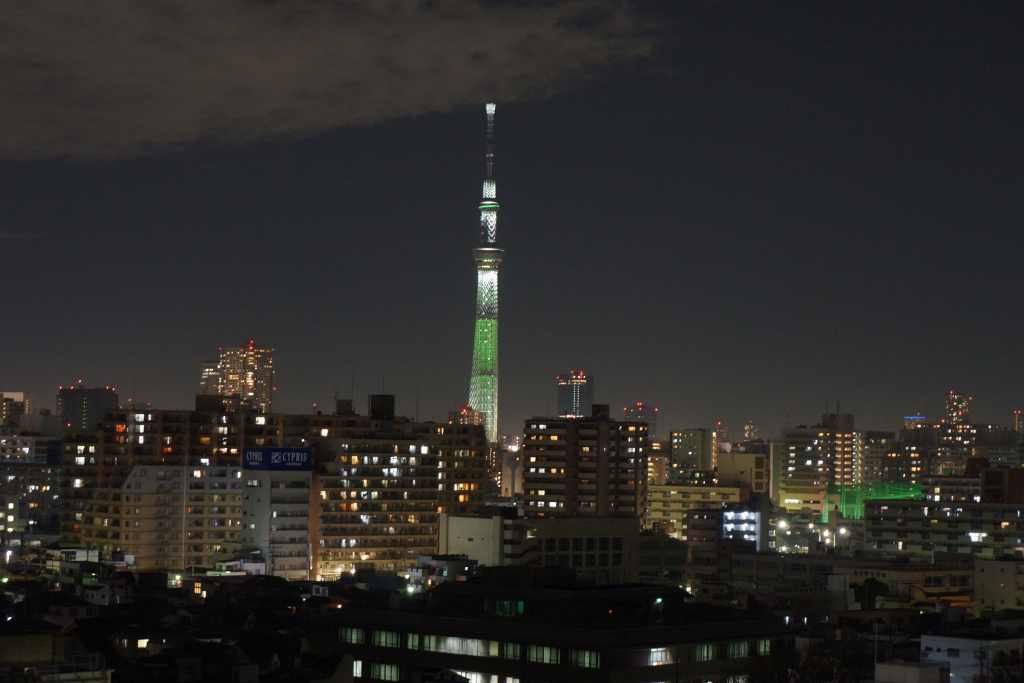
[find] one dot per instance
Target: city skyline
(740, 226)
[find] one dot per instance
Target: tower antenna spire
(483, 386)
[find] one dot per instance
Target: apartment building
(669, 506)
(276, 508)
(169, 517)
(923, 527)
(592, 466)
(378, 496)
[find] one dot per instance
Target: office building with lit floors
(377, 496)
(490, 633)
(590, 466)
(276, 508)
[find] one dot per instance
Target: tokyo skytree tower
(483, 385)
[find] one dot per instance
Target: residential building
(575, 394)
(657, 469)
(669, 505)
(691, 449)
(869, 453)
(584, 466)
(923, 527)
(813, 458)
(276, 508)
(29, 500)
(169, 517)
(378, 493)
(952, 489)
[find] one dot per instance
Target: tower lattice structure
(483, 386)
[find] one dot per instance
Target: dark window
(577, 545)
(563, 560)
(603, 544)
(591, 560)
(563, 545)
(591, 544)
(616, 559)
(602, 560)
(577, 560)
(549, 545)
(616, 544)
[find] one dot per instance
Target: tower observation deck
(483, 385)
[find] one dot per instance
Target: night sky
(729, 210)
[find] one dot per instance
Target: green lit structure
(483, 386)
(849, 499)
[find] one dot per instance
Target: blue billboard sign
(277, 459)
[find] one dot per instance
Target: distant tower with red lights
(641, 412)
(575, 394)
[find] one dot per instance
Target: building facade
(691, 449)
(923, 527)
(378, 495)
(593, 466)
(276, 508)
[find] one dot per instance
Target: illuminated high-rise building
(575, 394)
(958, 408)
(483, 387)
(210, 378)
(641, 412)
(248, 372)
(750, 431)
(1018, 421)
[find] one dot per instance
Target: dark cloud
(114, 78)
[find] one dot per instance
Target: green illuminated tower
(483, 385)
